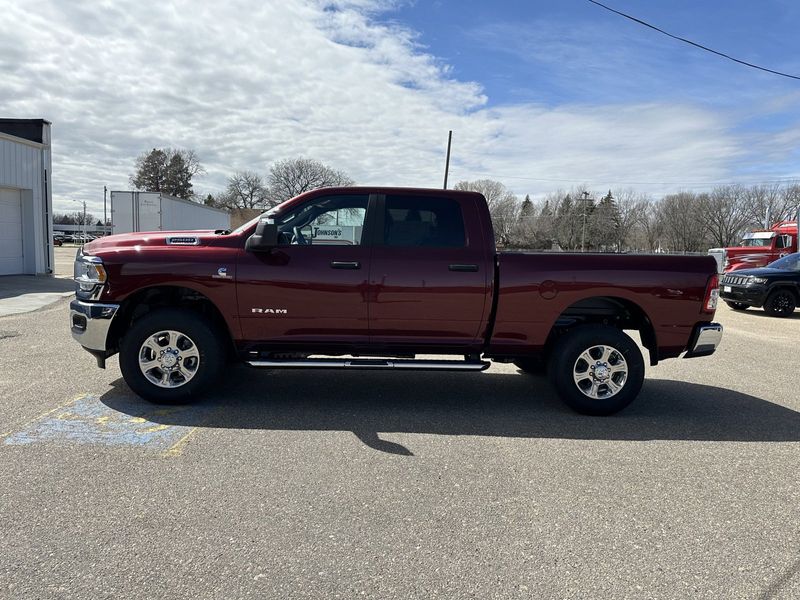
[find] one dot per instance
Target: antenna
(447, 160)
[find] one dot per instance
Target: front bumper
(705, 339)
(751, 295)
(90, 322)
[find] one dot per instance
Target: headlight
(89, 272)
(759, 280)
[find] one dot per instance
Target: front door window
(329, 221)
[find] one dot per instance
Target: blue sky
(574, 52)
(540, 95)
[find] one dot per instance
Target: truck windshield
(787, 263)
(757, 242)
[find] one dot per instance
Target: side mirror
(264, 239)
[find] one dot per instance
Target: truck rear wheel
(596, 369)
(780, 303)
(170, 356)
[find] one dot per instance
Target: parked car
(776, 287)
(58, 240)
(416, 272)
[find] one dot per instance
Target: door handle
(464, 268)
(344, 264)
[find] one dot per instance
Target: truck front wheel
(170, 356)
(596, 369)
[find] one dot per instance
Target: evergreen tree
(166, 170)
(566, 227)
(526, 210)
(605, 224)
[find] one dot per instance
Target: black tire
(564, 360)
(531, 365)
(737, 305)
(780, 303)
(196, 331)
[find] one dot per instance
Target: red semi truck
(758, 248)
(370, 278)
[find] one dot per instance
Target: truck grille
(735, 279)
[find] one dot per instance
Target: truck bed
(535, 289)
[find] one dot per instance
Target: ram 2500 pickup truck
(371, 278)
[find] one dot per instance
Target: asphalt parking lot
(362, 484)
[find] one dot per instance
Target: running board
(372, 363)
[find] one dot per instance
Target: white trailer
(154, 211)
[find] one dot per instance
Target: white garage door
(10, 232)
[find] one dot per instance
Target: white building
(154, 211)
(26, 201)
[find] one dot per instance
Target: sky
(540, 95)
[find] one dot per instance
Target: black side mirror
(264, 239)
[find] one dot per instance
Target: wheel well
(786, 288)
(605, 310)
(145, 301)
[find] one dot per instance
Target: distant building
(26, 201)
(154, 211)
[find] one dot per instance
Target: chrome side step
(372, 363)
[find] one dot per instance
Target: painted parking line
(87, 420)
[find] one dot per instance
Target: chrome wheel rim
(169, 359)
(600, 372)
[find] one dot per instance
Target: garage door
(10, 232)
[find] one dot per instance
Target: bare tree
(504, 206)
(246, 189)
(631, 207)
(291, 177)
(768, 204)
(74, 218)
(650, 227)
(682, 219)
(723, 213)
(791, 202)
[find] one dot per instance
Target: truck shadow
(501, 405)
(757, 312)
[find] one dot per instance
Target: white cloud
(245, 83)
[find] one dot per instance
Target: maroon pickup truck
(371, 278)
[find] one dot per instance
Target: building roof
(27, 129)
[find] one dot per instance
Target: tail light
(712, 294)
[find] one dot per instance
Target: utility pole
(105, 217)
(447, 160)
(583, 235)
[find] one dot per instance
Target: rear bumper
(705, 339)
(90, 322)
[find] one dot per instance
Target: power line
(611, 182)
(695, 44)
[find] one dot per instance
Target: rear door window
(423, 221)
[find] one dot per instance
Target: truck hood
(748, 250)
(200, 237)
